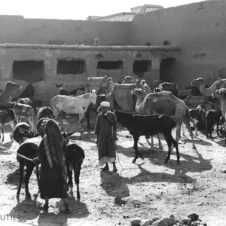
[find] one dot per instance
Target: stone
(166, 221)
(155, 219)
(135, 222)
(193, 216)
(186, 221)
(200, 204)
(146, 222)
(195, 223)
(171, 221)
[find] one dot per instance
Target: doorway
(167, 70)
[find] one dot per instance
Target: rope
(24, 157)
(36, 165)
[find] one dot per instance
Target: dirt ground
(146, 189)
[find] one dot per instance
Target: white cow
(73, 105)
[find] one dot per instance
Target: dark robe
(105, 130)
(53, 174)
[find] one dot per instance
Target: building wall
(46, 88)
(199, 29)
(16, 29)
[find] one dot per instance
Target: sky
(77, 9)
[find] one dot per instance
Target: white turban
(105, 104)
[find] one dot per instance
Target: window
(71, 66)
(141, 66)
(110, 65)
(29, 70)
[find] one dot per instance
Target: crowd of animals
(144, 111)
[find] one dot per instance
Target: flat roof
(92, 47)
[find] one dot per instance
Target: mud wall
(199, 29)
(46, 88)
(16, 29)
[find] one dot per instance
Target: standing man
(105, 130)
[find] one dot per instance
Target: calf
(7, 116)
(146, 125)
(212, 118)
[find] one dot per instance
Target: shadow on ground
(188, 163)
(26, 210)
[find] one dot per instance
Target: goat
(45, 112)
(212, 118)
(27, 151)
(7, 116)
(21, 132)
(74, 155)
(148, 126)
(24, 111)
(25, 100)
(197, 116)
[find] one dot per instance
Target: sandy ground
(145, 190)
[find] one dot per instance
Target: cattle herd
(141, 109)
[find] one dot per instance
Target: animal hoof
(178, 163)
(45, 207)
(134, 161)
(115, 169)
